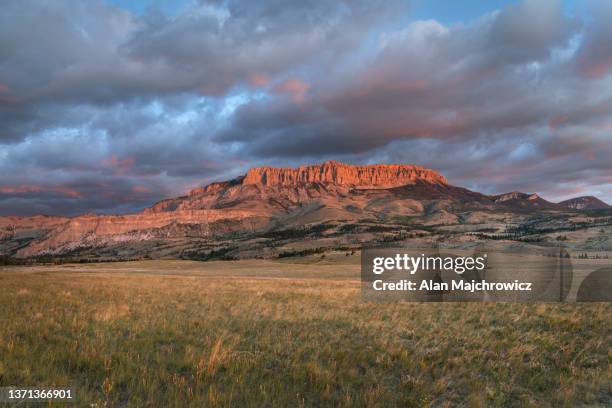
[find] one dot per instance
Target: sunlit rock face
(332, 172)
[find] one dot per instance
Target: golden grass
(264, 333)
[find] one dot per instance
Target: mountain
(585, 203)
(520, 200)
(268, 210)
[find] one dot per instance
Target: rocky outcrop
(515, 195)
(332, 172)
(216, 187)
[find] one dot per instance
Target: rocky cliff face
(332, 172)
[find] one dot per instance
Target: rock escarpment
(332, 172)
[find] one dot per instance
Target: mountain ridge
(268, 199)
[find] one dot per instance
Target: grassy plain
(288, 333)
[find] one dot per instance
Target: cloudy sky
(108, 106)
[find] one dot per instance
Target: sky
(109, 106)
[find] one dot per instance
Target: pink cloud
(140, 189)
(259, 80)
(295, 87)
(5, 95)
(557, 121)
(120, 165)
(28, 188)
(597, 70)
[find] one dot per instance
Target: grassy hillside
(287, 333)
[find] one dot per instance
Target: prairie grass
(263, 333)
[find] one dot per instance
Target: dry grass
(264, 333)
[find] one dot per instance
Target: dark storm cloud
(89, 52)
(114, 195)
(428, 80)
(103, 110)
(215, 50)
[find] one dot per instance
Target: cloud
(295, 87)
(27, 189)
(123, 109)
(594, 57)
(426, 80)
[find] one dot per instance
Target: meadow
(289, 332)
